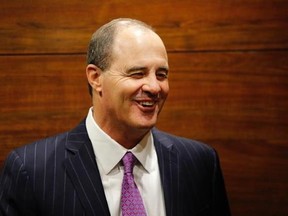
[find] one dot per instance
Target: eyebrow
(164, 68)
(136, 68)
(139, 68)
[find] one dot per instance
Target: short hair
(100, 47)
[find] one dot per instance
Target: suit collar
(168, 160)
(82, 169)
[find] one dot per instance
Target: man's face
(135, 86)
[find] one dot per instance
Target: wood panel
(236, 102)
(40, 96)
(65, 26)
(228, 80)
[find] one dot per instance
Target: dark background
(228, 81)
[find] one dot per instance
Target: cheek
(130, 88)
(122, 95)
(165, 88)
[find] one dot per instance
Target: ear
(93, 74)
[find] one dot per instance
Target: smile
(147, 103)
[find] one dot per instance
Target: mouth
(147, 105)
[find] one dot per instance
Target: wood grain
(235, 102)
(228, 81)
(66, 26)
(40, 96)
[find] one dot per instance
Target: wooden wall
(228, 79)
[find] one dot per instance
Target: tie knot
(129, 161)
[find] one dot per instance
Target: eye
(162, 74)
(137, 74)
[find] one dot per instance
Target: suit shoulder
(41, 149)
(41, 143)
(58, 140)
(182, 144)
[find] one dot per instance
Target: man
(81, 172)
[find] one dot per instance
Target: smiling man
(129, 93)
(115, 162)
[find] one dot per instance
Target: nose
(151, 85)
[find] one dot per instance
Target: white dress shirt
(108, 155)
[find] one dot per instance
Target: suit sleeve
(220, 203)
(16, 195)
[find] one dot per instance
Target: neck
(129, 140)
(128, 137)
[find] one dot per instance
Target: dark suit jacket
(59, 176)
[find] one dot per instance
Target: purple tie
(131, 201)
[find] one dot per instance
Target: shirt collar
(106, 148)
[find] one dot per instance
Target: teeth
(147, 103)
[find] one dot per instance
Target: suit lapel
(169, 170)
(82, 169)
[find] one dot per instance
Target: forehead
(133, 43)
(127, 34)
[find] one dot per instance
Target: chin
(143, 121)
(146, 124)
